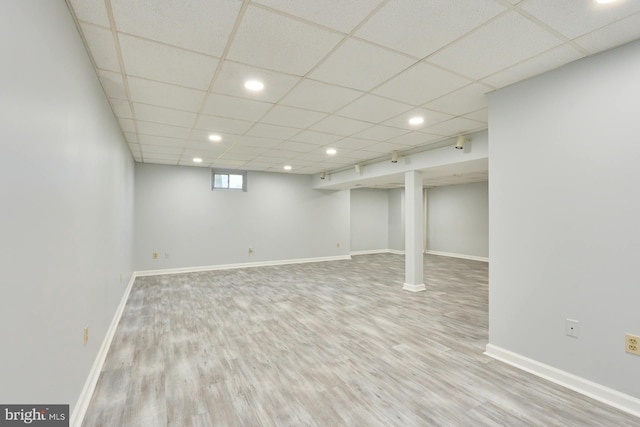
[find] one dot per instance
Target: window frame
(228, 172)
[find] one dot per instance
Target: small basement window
(222, 179)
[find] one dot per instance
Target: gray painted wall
(564, 210)
(396, 219)
(66, 180)
(280, 216)
(458, 219)
(369, 219)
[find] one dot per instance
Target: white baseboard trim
(395, 252)
(596, 391)
(414, 288)
(82, 404)
(377, 251)
(239, 265)
(452, 255)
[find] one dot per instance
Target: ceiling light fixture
(215, 138)
(460, 142)
(323, 175)
(197, 160)
(358, 169)
(254, 85)
(287, 167)
(416, 120)
(394, 157)
(331, 151)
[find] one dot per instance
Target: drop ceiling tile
(373, 109)
(228, 164)
(421, 83)
(351, 144)
(503, 42)
(480, 115)
(127, 125)
(204, 148)
(379, 133)
(360, 65)
(131, 137)
(162, 149)
(420, 27)
(152, 113)
(121, 108)
(92, 11)
(113, 84)
(258, 165)
(244, 149)
(292, 117)
(616, 34)
(159, 160)
(574, 19)
(160, 140)
(298, 147)
(313, 137)
(135, 148)
(264, 130)
(157, 129)
(539, 64)
(102, 47)
(235, 108)
(456, 126)
(413, 139)
(430, 118)
(280, 154)
(221, 124)
(168, 64)
(462, 101)
(318, 96)
(202, 136)
(254, 141)
(232, 77)
(165, 95)
(273, 41)
(199, 25)
(340, 126)
(324, 13)
(244, 157)
(385, 147)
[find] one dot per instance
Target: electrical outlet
(572, 328)
(86, 335)
(338, 245)
(154, 255)
(250, 250)
(632, 344)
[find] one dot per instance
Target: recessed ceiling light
(416, 120)
(287, 167)
(331, 151)
(254, 85)
(215, 138)
(197, 160)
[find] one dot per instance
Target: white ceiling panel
(264, 130)
(127, 125)
(113, 84)
(353, 143)
(462, 101)
(298, 147)
(373, 109)
(340, 126)
(131, 137)
(386, 147)
(430, 118)
(235, 108)
(546, 61)
(161, 149)
(92, 11)
(324, 12)
(380, 133)
(318, 96)
(165, 95)
(273, 41)
(313, 137)
(616, 34)
(160, 140)
(421, 83)
(575, 18)
(253, 141)
(360, 65)
(102, 47)
(505, 41)
(232, 77)
(480, 115)
(420, 27)
(292, 117)
(152, 113)
(121, 108)
(455, 126)
(222, 124)
(199, 25)
(415, 138)
(155, 61)
(157, 129)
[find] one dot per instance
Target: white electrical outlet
(632, 344)
(572, 328)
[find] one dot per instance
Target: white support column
(414, 226)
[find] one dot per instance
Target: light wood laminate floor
(322, 344)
